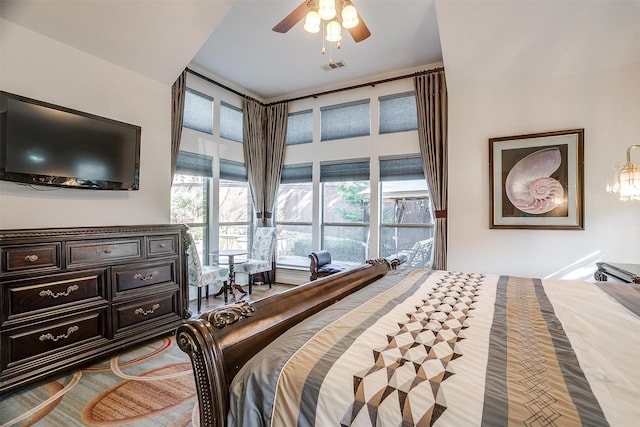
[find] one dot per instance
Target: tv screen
(45, 144)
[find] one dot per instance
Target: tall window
(231, 122)
(294, 215)
(198, 111)
(300, 127)
(398, 112)
(345, 210)
(345, 120)
(234, 210)
(406, 213)
(190, 197)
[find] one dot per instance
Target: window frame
(303, 140)
(225, 106)
(185, 122)
(381, 113)
(345, 135)
(304, 177)
(197, 165)
(344, 171)
(232, 171)
(403, 168)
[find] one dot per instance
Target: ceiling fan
(314, 10)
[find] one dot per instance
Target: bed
(400, 347)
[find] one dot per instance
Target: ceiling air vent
(333, 66)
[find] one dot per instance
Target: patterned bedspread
(423, 347)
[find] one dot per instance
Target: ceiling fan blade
(291, 19)
(360, 32)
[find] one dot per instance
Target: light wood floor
(258, 292)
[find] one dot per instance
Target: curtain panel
(276, 132)
(431, 102)
(255, 153)
(265, 130)
(177, 113)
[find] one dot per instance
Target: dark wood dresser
(71, 295)
(627, 273)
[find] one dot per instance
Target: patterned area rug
(147, 386)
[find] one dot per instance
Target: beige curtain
(275, 136)
(177, 112)
(265, 129)
(255, 153)
(431, 100)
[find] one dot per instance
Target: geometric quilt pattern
(403, 382)
(538, 398)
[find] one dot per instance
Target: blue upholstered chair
(261, 256)
(204, 275)
(321, 265)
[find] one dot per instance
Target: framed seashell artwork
(537, 180)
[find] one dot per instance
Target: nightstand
(627, 273)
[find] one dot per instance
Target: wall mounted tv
(46, 144)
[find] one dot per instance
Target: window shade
(345, 120)
(234, 171)
(398, 113)
(348, 170)
(401, 168)
(300, 127)
(231, 122)
(198, 111)
(194, 164)
(301, 172)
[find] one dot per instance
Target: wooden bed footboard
(221, 341)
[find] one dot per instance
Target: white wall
(39, 67)
(606, 103)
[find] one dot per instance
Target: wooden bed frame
(221, 341)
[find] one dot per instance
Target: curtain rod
(315, 95)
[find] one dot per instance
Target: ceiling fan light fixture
(327, 9)
(349, 16)
(330, 16)
(312, 22)
(334, 31)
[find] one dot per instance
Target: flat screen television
(46, 144)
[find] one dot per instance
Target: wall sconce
(624, 179)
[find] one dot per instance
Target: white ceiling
(244, 49)
(232, 41)
(156, 38)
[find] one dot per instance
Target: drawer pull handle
(162, 245)
(31, 258)
(142, 311)
(50, 293)
(147, 277)
(107, 250)
(50, 337)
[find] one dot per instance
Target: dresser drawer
(162, 245)
(132, 277)
(31, 258)
(137, 313)
(23, 298)
(105, 251)
(34, 342)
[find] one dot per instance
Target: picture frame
(537, 180)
